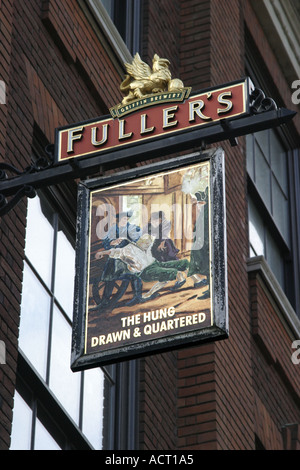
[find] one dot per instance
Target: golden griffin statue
(142, 81)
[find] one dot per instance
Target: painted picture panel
(149, 272)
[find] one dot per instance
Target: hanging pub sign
(151, 271)
(151, 260)
(154, 106)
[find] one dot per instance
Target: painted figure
(163, 248)
(195, 183)
(139, 260)
(119, 235)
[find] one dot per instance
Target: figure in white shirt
(140, 261)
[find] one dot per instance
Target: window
(274, 188)
(120, 21)
(274, 208)
(126, 16)
(267, 168)
(55, 408)
(45, 327)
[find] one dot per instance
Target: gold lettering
(227, 103)
(72, 137)
(144, 128)
(122, 135)
(94, 135)
(195, 107)
(167, 115)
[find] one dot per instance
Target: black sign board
(151, 260)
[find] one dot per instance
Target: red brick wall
(11, 234)
(228, 390)
(61, 73)
(269, 58)
(233, 365)
(215, 396)
(161, 32)
(195, 43)
(276, 379)
(6, 28)
(197, 413)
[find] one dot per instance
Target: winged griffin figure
(141, 81)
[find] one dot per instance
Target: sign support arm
(54, 174)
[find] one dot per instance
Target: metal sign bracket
(45, 172)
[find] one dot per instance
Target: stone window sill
(285, 311)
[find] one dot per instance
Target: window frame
(290, 254)
(257, 70)
(133, 14)
(41, 386)
(37, 394)
(112, 35)
(294, 187)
